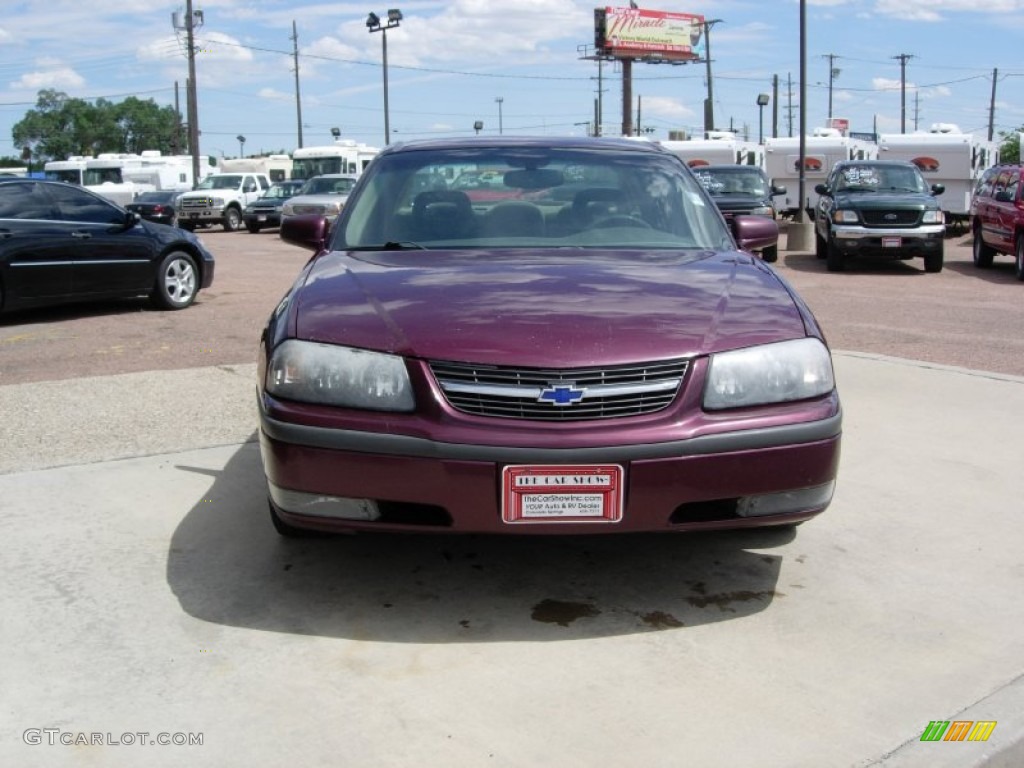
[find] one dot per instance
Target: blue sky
(450, 62)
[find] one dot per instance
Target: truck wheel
(187, 226)
(770, 254)
(982, 253)
(835, 260)
(820, 247)
(1018, 253)
(232, 220)
(933, 261)
(252, 226)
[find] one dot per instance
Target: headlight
(771, 373)
(845, 217)
(333, 375)
(217, 202)
(932, 217)
(763, 210)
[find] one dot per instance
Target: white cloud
(50, 74)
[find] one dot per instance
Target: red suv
(997, 216)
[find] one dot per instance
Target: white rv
(822, 150)
(70, 170)
(717, 148)
(162, 172)
(945, 156)
(276, 167)
(343, 156)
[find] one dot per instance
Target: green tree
(60, 126)
(1009, 147)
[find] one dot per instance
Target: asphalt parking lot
(146, 592)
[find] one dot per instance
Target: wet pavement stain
(725, 600)
(660, 620)
(562, 613)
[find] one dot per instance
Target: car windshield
(155, 197)
(226, 181)
(880, 178)
(732, 181)
(281, 191)
(326, 185)
(536, 197)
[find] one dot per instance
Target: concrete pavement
(146, 592)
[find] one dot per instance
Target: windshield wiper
(392, 245)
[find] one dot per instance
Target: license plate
(562, 494)
(261, 218)
(892, 242)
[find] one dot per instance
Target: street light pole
(762, 102)
(500, 99)
(373, 25)
(241, 145)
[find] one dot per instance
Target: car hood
(889, 200)
(574, 309)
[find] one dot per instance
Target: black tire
(252, 226)
(770, 254)
(1018, 258)
(177, 281)
(836, 262)
(820, 246)
(982, 253)
(187, 226)
(232, 219)
(933, 261)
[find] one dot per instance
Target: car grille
(572, 394)
(195, 202)
(890, 218)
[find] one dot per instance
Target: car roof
(527, 142)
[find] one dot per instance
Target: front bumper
(896, 242)
(325, 479)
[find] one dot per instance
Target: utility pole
(789, 105)
(709, 105)
(627, 97)
(298, 98)
(903, 58)
(775, 106)
(833, 73)
(193, 101)
(992, 105)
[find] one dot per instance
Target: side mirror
(938, 189)
(822, 189)
(131, 218)
(778, 190)
(752, 233)
(307, 231)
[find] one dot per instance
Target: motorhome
(823, 149)
(717, 148)
(343, 156)
(945, 156)
(276, 167)
(70, 170)
(165, 172)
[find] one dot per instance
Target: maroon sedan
(595, 352)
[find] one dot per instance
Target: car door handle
(81, 235)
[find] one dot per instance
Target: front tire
(252, 226)
(981, 252)
(933, 261)
(771, 254)
(1018, 254)
(820, 246)
(177, 281)
(835, 260)
(232, 220)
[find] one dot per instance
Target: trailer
(822, 150)
(70, 170)
(946, 156)
(276, 167)
(343, 156)
(717, 148)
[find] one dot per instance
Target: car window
(732, 181)
(74, 204)
(24, 201)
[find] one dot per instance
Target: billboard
(634, 33)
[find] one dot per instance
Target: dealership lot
(147, 591)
